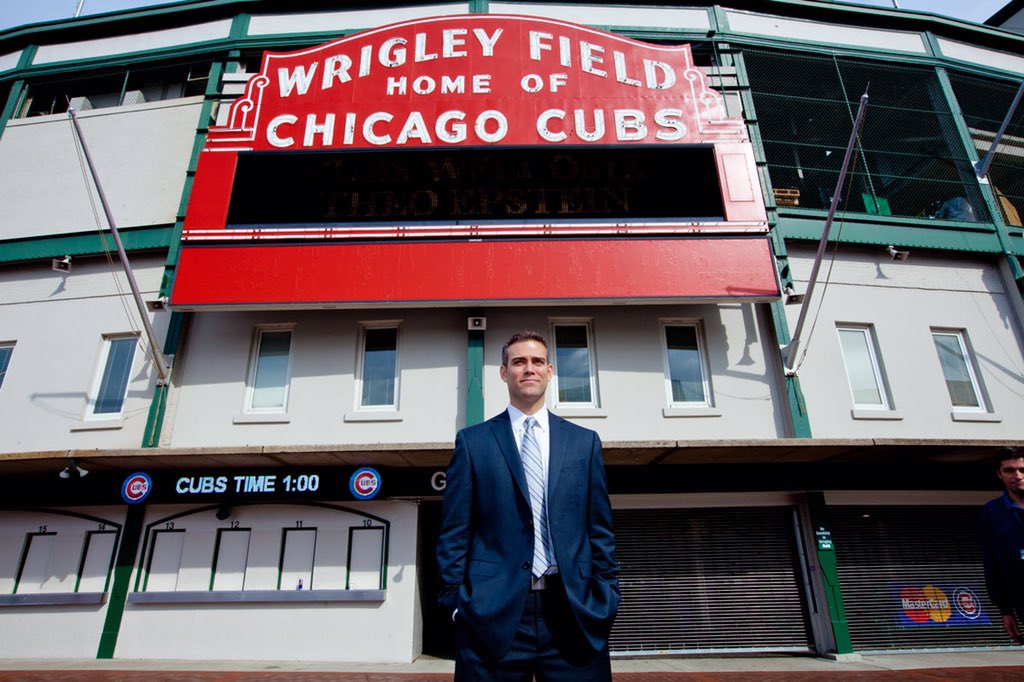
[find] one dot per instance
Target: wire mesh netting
(910, 160)
(984, 103)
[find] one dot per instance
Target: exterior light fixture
(74, 470)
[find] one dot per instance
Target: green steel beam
(176, 329)
(158, 406)
(799, 421)
(84, 244)
(13, 97)
(829, 574)
(857, 229)
(217, 70)
(130, 536)
(474, 375)
(17, 88)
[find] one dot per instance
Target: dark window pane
(114, 383)
(380, 352)
(955, 371)
(572, 362)
(270, 381)
(684, 364)
(5, 359)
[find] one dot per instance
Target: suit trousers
(548, 646)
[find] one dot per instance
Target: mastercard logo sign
(933, 606)
(924, 604)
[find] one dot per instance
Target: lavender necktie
(534, 468)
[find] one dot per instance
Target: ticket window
(165, 561)
(297, 554)
(366, 558)
(35, 574)
(231, 558)
(60, 557)
(262, 549)
(98, 555)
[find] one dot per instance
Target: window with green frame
(984, 103)
(135, 85)
(910, 162)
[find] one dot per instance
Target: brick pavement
(972, 674)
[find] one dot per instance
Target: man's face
(527, 372)
(1011, 473)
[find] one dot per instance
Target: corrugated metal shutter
(701, 580)
(886, 555)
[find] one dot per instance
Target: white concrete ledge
(255, 596)
(378, 416)
(53, 599)
(963, 416)
(279, 418)
(860, 413)
(674, 412)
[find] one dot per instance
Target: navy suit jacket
(1002, 553)
(486, 541)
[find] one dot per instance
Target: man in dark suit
(1002, 542)
(526, 551)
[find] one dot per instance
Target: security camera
(896, 254)
(61, 264)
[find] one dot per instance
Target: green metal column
(798, 416)
(826, 556)
(130, 537)
(474, 374)
(14, 98)
(799, 422)
(158, 407)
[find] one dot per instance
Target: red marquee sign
(266, 200)
(478, 80)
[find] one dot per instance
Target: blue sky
(18, 12)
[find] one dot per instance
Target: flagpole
(790, 350)
(158, 357)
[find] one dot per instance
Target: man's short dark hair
(524, 335)
(1003, 454)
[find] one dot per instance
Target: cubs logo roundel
(136, 488)
(967, 603)
(364, 484)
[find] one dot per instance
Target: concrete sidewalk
(974, 666)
